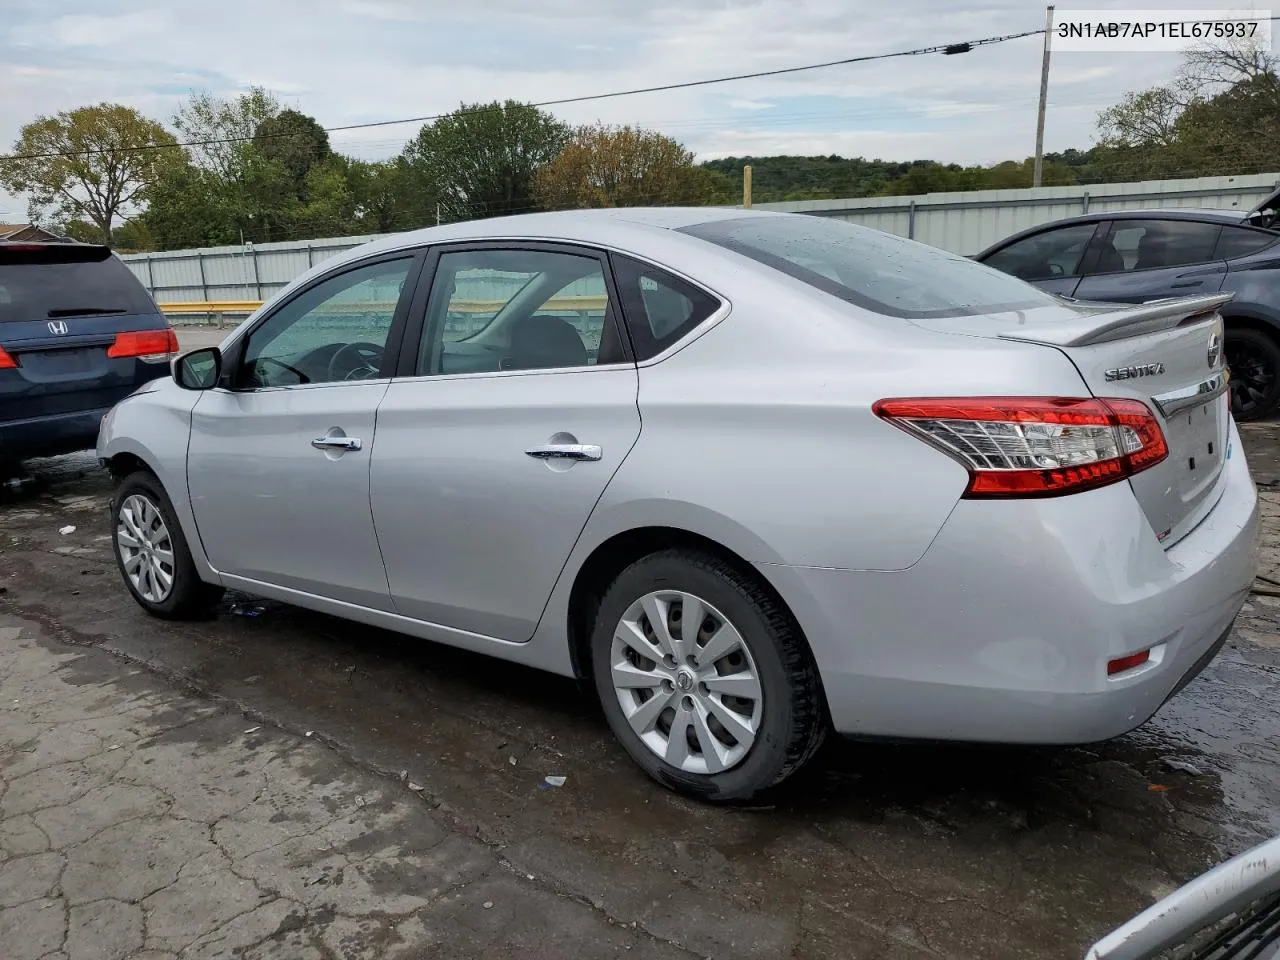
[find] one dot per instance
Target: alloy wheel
(686, 681)
(146, 550)
(1251, 376)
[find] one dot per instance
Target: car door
(1050, 259)
(510, 417)
(1143, 260)
(278, 463)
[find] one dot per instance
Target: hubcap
(146, 551)
(686, 682)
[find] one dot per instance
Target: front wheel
(1253, 358)
(705, 677)
(152, 553)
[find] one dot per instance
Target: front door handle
(336, 443)
(566, 451)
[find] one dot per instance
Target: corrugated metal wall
(964, 223)
(968, 223)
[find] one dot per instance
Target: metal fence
(962, 223)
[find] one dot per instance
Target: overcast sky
(350, 61)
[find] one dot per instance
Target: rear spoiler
(1113, 322)
(1193, 908)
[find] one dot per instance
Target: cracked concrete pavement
(290, 785)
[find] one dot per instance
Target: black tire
(190, 598)
(793, 720)
(1253, 358)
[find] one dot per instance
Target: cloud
(352, 61)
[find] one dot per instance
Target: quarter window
(1239, 242)
(660, 308)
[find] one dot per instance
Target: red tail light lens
(1036, 446)
(154, 346)
(7, 362)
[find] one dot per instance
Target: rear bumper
(50, 435)
(1003, 630)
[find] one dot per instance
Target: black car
(78, 333)
(1138, 255)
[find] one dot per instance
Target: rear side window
(1240, 242)
(877, 271)
(659, 307)
(44, 283)
(1152, 244)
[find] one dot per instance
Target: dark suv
(1138, 255)
(78, 333)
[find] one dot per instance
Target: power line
(943, 48)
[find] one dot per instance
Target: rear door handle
(336, 443)
(566, 451)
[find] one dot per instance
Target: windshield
(877, 271)
(40, 284)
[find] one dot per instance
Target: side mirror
(199, 369)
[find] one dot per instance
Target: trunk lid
(1165, 353)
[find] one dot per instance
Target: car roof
(1197, 214)
(620, 228)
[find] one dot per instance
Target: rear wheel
(1253, 357)
(705, 678)
(152, 553)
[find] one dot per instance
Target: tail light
(7, 362)
(1036, 446)
(152, 346)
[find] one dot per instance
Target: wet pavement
(398, 802)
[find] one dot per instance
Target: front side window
(1152, 244)
(494, 310)
(1053, 253)
(335, 331)
(877, 271)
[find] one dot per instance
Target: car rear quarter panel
(154, 425)
(1255, 282)
(760, 434)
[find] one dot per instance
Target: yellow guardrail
(245, 307)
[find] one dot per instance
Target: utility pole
(746, 187)
(1044, 94)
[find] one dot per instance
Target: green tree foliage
(1218, 116)
(217, 129)
(481, 159)
(807, 178)
(295, 141)
(93, 163)
(605, 166)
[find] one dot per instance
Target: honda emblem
(58, 327)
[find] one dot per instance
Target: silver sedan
(758, 476)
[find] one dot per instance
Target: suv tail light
(7, 362)
(1034, 446)
(151, 346)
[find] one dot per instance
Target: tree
(482, 157)
(216, 130)
(92, 163)
(1217, 116)
(391, 195)
(606, 166)
(297, 142)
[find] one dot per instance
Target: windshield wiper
(85, 311)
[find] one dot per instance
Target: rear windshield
(877, 271)
(38, 284)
